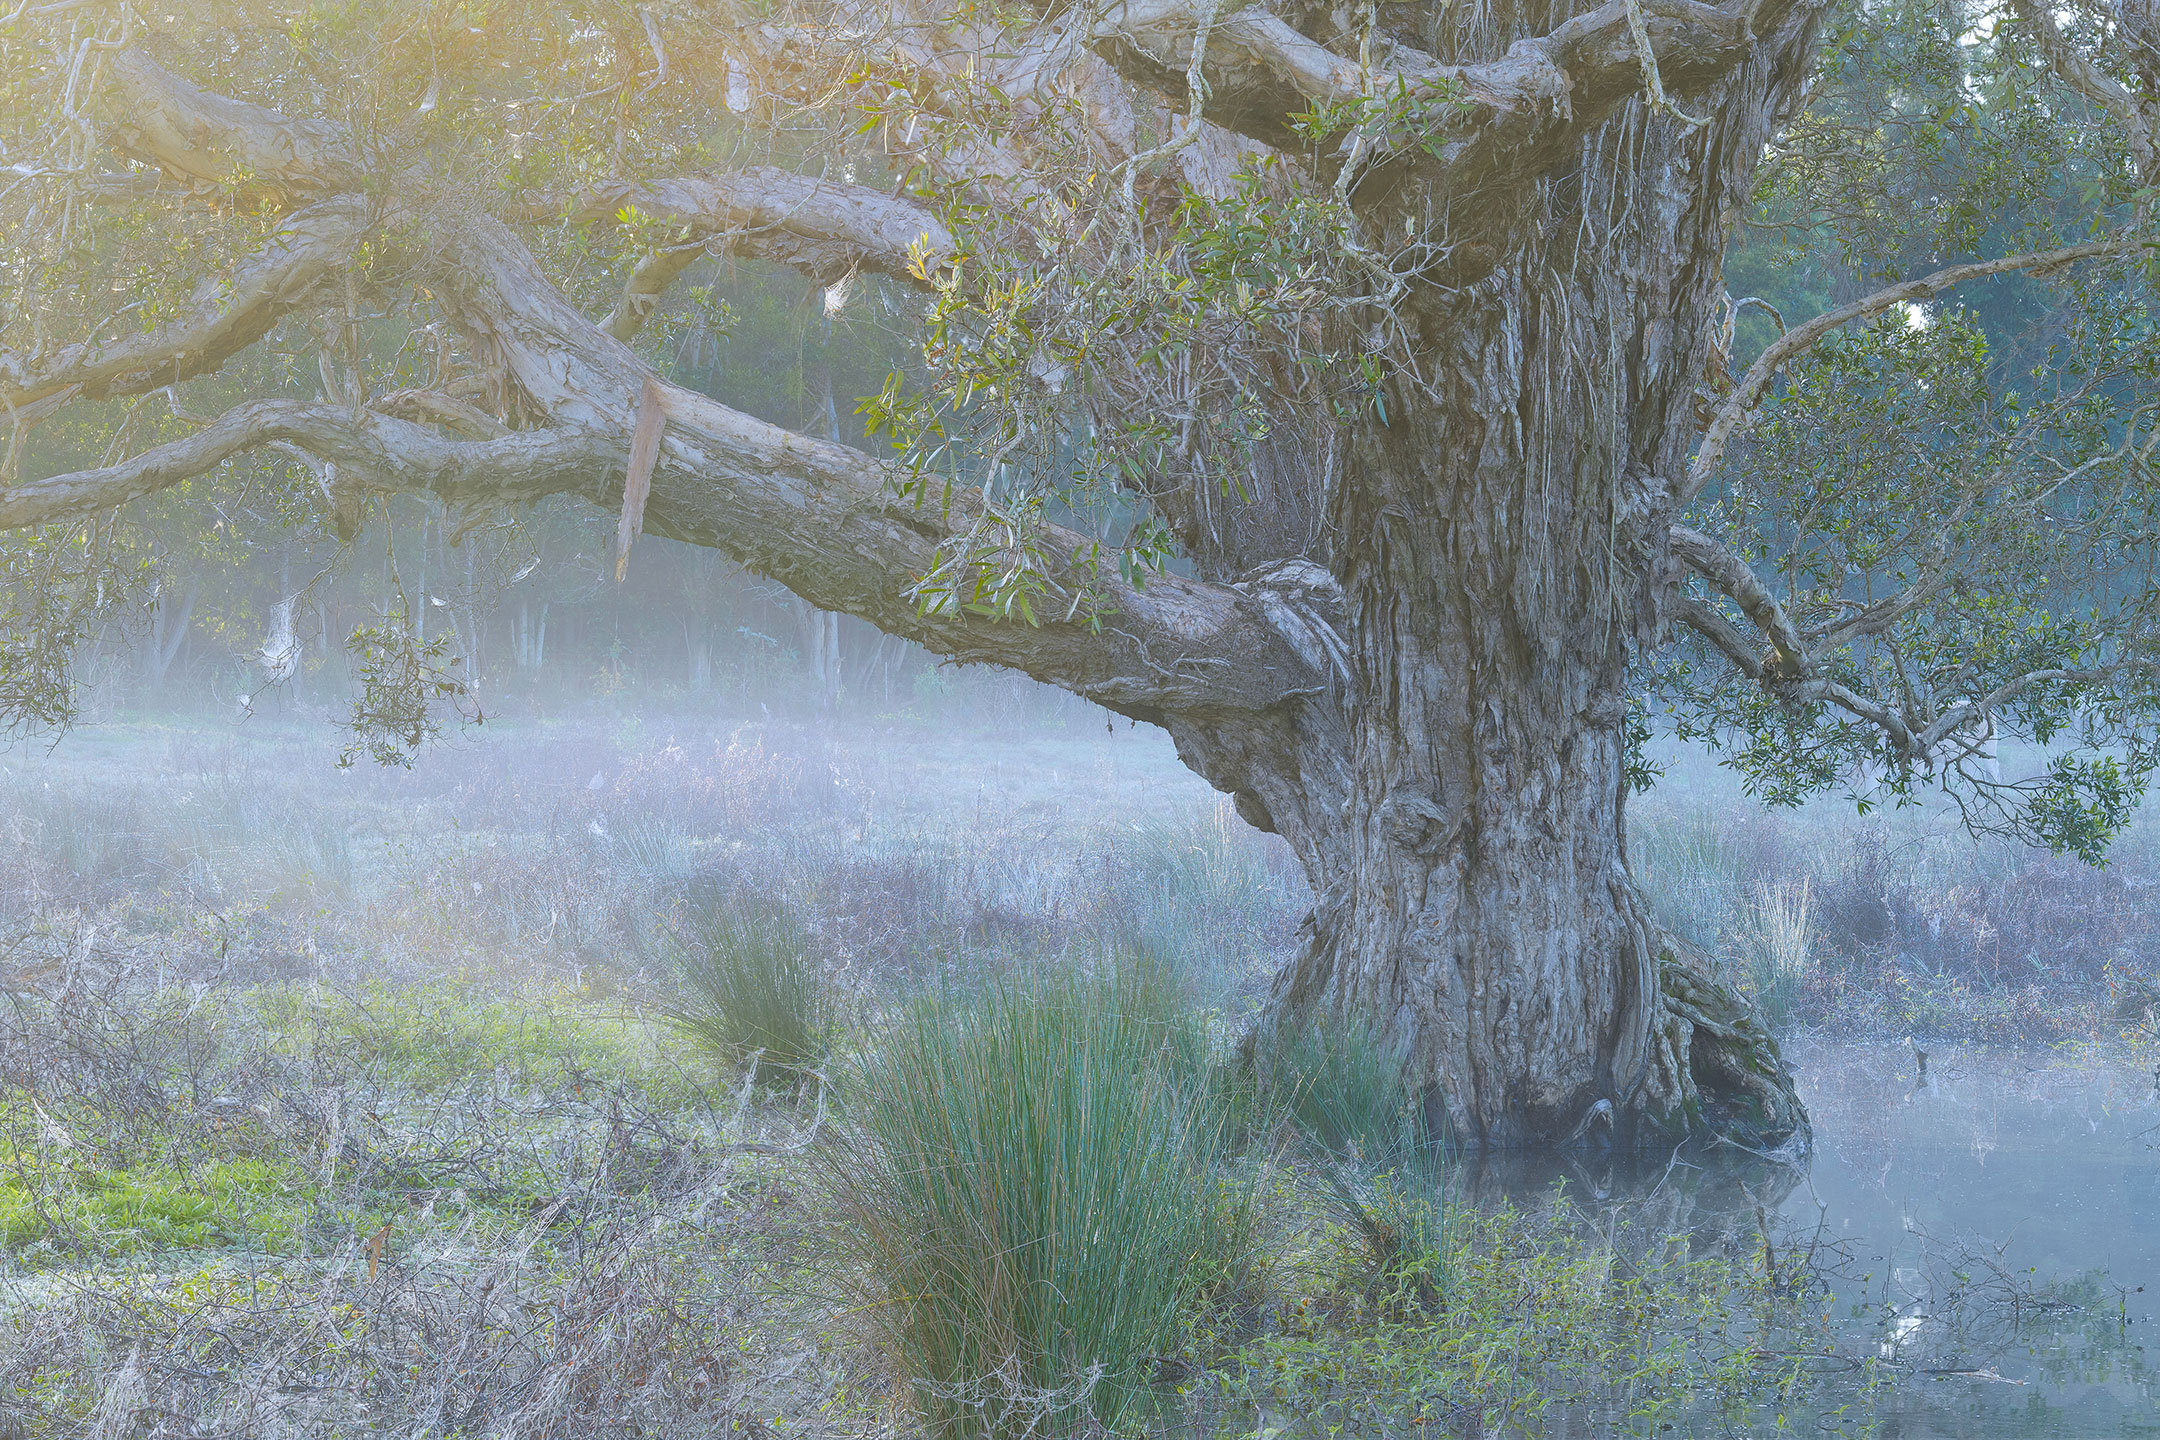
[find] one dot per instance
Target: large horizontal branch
(829, 522)
(200, 136)
(1260, 71)
(824, 230)
(820, 518)
(228, 314)
(1802, 338)
(825, 520)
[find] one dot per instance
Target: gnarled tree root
(1715, 1070)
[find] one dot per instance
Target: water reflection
(2002, 1214)
(1979, 1229)
(1720, 1200)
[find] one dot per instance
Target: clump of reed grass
(1031, 1178)
(748, 985)
(1381, 1158)
(1342, 1086)
(1779, 951)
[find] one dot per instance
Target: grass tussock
(749, 988)
(1030, 1181)
(1380, 1157)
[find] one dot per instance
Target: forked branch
(307, 248)
(1261, 71)
(1731, 574)
(1800, 339)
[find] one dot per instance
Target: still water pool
(2035, 1175)
(1987, 1226)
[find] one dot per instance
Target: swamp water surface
(2034, 1175)
(1988, 1237)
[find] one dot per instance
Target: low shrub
(445, 1034)
(1545, 1331)
(1029, 1177)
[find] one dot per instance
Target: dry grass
(1898, 923)
(345, 1104)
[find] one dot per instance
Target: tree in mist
(1350, 391)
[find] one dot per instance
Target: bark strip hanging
(637, 484)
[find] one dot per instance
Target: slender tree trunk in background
(472, 636)
(829, 665)
(168, 632)
(294, 695)
(821, 649)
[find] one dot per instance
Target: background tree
(1348, 391)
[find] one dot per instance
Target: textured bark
(1500, 540)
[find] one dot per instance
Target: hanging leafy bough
(404, 684)
(61, 586)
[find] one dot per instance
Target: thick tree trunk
(1466, 841)
(1488, 918)
(1498, 543)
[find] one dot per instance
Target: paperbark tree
(1405, 327)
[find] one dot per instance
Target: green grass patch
(1031, 1181)
(219, 1203)
(444, 1033)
